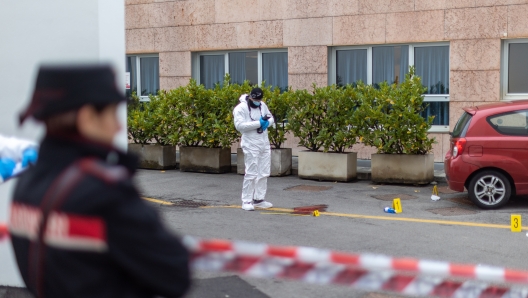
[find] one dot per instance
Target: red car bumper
(457, 172)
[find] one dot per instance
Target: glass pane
(275, 69)
(389, 64)
(131, 67)
(212, 70)
(243, 66)
(432, 65)
(438, 109)
(351, 67)
(518, 68)
(237, 67)
(513, 124)
(461, 126)
(252, 68)
(149, 68)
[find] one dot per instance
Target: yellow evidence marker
(516, 224)
(316, 213)
(396, 205)
(435, 196)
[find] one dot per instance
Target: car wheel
(489, 189)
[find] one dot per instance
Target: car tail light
(458, 147)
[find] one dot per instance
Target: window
(515, 69)
(390, 63)
(270, 66)
(351, 66)
(243, 66)
(462, 126)
(212, 69)
(512, 123)
(144, 75)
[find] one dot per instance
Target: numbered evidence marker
(316, 213)
(516, 224)
(396, 205)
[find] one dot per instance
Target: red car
(489, 153)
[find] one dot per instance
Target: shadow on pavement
(222, 287)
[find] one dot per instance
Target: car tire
(490, 189)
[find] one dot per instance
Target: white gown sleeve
(272, 119)
(241, 122)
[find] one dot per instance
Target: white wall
(33, 32)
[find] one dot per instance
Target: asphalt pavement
(451, 229)
(354, 222)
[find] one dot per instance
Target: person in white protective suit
(15, 156)
(252, 118)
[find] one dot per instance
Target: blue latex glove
(30, 155)
(263, 122)
(7, 166)
(265, 126)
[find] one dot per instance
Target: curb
(363, 174)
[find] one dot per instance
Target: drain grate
(188, 203)
(446, 190)
(391, 197)
(308, 188)
(462, 200)
(452, 211)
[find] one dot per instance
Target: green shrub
(227, 97)
(149, 121)
(327, 118)
(323, 118)
(279, 105)
(389, 118)
(138, 131)
(342, 134)
(162, 118)
(203, 117)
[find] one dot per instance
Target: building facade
(468, 52)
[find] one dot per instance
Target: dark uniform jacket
(101, 239)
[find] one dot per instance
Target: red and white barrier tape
(307, 255)
(4, 232)
(365, 272)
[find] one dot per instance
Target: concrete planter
(403, 168)
(281, 162)
(205, 160)
(241, 166)
(154, 156)
(328, 166)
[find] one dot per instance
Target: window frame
(505, 96)
(332, 69)
(138, 72)
(196, 60)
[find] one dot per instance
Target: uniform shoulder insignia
(105, 172)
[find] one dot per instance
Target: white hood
(242, 98)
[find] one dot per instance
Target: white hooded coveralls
(256, 147)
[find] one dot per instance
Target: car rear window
(511, 123)
(461, 126)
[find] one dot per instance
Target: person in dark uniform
(78, 225)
